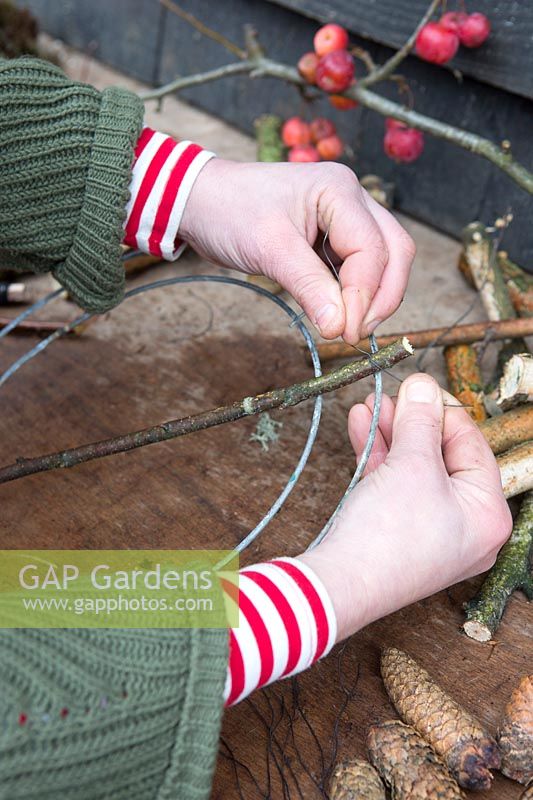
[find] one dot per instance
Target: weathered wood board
(505, 59)
(189, 348)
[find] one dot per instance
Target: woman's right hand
(429, 512)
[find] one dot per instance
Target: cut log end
(477, 631)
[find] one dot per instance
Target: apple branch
(265, 67)
(384, 71)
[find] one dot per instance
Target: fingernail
(422, 391)
(325, 315)
(371, 327)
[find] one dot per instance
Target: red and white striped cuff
(286, 622)
(163, 175)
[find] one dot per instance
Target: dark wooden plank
(506, 60)
(124, 33)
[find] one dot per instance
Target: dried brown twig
(277, 398)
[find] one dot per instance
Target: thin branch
(205, 30)
(439, 337)
(277, 398)
(178, 84)
(265, 67)
(385, 70)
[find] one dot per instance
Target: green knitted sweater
(112, 714)
(66, 152)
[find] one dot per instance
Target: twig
(385, 70)
(277, 398)
(512, 571)
(34, 325)
(178, 84)
(265, 67)
(204, 29)
(459, 334)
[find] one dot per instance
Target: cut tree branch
(464, 379)
(516, 469)
(277, 398)
(509, 429)
(265, 67)
(441, 337)
(385, 70)
(512, 571)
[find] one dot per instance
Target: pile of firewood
(506, 405)
(438, 747)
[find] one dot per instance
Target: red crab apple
(402, 143)
(330, 148)
(303, 153)
(321, 128)
(474, 30)
(335, 71)
(307, 66)
(452, 20)
(295, 132)
(436, 44)
(330, 37)
(342, 103)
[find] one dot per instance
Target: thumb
(418, 421)
(305, 276)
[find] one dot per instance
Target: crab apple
(474, 30)
(321, 128)
(436, 44)
(452, 20)
(402, 143)
(335, 71)
(330, 148)
(295, 131)
(342, 103)
(307, 66)
(303, 153)
(330, 37)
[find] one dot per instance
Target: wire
(30, 310)
(317, 408)
(365, 455)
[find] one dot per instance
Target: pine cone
(408, 765)
(516, 733)
(455, 735)
(356, 780)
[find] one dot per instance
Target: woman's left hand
(265, 219)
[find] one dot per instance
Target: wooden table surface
(192, 348)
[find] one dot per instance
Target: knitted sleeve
(65, 168)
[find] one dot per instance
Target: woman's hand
(265, 218)
(429, 513)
